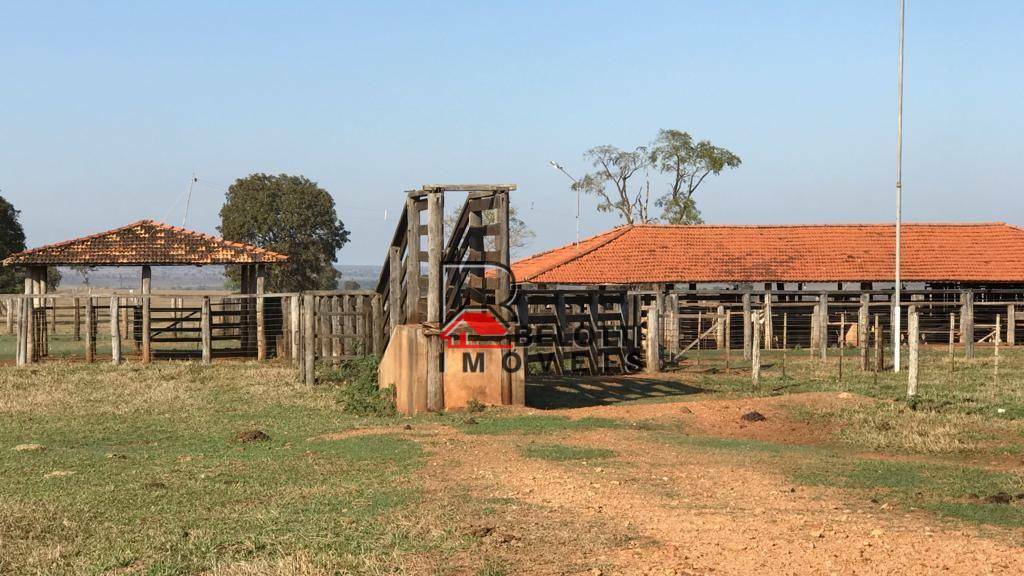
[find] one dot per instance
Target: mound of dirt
(247, 436)
(754, 416)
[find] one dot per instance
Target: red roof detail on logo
(476, 322)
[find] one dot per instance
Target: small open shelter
(145, 243)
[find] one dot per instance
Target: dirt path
(657, 509)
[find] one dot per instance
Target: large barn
(813, 284)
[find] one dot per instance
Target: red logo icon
(486, 329)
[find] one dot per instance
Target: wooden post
(700, 331)
(1011, 324)
(720, 331)
(862, 329)
(726, 332)
(672, 325)
(746, 326)
(90, 332)
(376, 325)
(913, 339)
(769, 331)
(324, 311)
(879, 346)
(435, 308)
(9, 315)
(309, 339)
(204, 329)
(785, 340)
(842, 343)
(146, 289)
(967, 322)
(336, 306)
(653, 355)
(815, 342)
(115, 331)
(19, 357)
(76, 319)
(30, 329)
(412, 259)
(755, 352)
(261, 320)
(995, 349)
(295, 319)
(952, 343)
(395, 288)
(823, 324)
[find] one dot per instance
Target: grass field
(159, 470)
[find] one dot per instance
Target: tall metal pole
(558, 167)
(899, 201)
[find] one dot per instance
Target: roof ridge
(240, 248)
(611, 235)
(821, 225)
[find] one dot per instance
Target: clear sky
(106, 108)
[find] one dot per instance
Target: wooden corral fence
(199, 325)
(815, 321)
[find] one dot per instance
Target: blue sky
(107, 107)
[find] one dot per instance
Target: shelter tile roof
(144, 242)
(640, 254)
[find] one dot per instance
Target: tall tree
(687, 165)
(617, 168)
(291, 215)
(12, 239)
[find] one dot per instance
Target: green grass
(160, 484)
(535, 424)
(564, 453)
(952, 490)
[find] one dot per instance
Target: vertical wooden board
(501, 245)
(90, 340)
(146, 290)
(205, 331)
(747, 326)
(862, 329)
(395, 316)
(323, 310)
(339, 345)
(377, 325)
(413, 247)
(261, 320)
(309, 339)
(435, 308)
(295, 318)
(115, 331)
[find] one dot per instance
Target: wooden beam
(413, 247)
(308, 341)
(395, 288)
(746, 326)
(967, 322)
(261, 320)
(90, 331)
(862, 329)
(205, 331)
(146, 290)
(295, 319)
(377, 325)
(115, 330)
(435, 311)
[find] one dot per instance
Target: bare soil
(655, 509)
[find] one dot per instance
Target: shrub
(359, 392)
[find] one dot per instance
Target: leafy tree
(519, 234)
(672, 153)
(12, 239)
(617, 167)
(687, 165)
(291, 215)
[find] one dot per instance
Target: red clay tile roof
(975, 252)
(145, 242)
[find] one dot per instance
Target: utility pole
(899, 200)
(558, 167)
